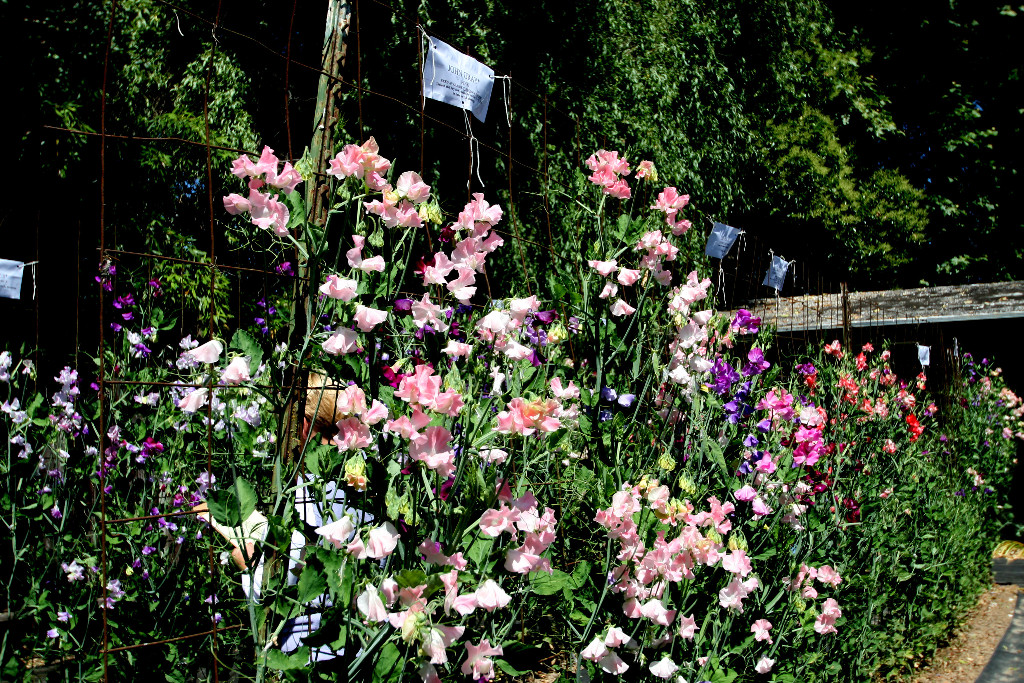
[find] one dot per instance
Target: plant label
(458, 79)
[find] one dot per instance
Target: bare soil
(962, 660)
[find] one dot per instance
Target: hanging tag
(720, 240)
(924, 355)
(11, 273)
(776, 275)
(452, 77)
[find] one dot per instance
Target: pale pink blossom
(493, 456)
(341, 342)
(760, 629)
(645, 169)
(194, 401)
(664, 667)
(490, 596)
(687, 627)
(620, 308)
(338, 532)
(605, 268)
(764, 665)
(352, 435)
(826, 574)
(237, 371)
(526, 417)
(371, 606)
(613, 664)
(746, 494)
(610, 290)
(478, 663)
(433, 449)
(208, 352)
(410, 186)
(569, 391)
(656, 612)
(455, 348)
(368, 318)
(382, 541)
(337, 287)
(595, 651)
(616, 637)
(627, 277)
(236, 204)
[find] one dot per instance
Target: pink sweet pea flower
(368, 318)
(382, 541)
(760, 508)
(490, 596)
(341, 342)
(371, 606)
(619, 189)
(664, 667)
(645, 169)
(610, 290)
(764, 665)
(237, 371)
(494, 522)
(760, 629)
(194, 401)
(620, 308)
(352, 435)
(687, 627)
(613, 664)
(337, 287)
(410, 186)
(455, 348)
(826, 574)
(627, 277)
(746, 494)
(595, 651)
(236, 204)
(208, 352)
(434, 450)
(656, 612)
(605, 268)
(338, 532)
(616, 637)
(736, 562)
(478, 664)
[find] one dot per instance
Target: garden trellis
(245, 275)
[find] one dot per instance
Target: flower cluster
(263, 208)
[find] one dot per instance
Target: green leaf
(312, 582)
(247, 497)
(386, 669)
(509, 669)
(545, 584)
(410, 578)
(282, 662)
(223, 506)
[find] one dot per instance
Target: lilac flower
(608, 394)
(757, 363)
(55, 512)
(53, 633)
(724, 376)
(545, 317)
(764, 426)
(750, 441)
(63, 617)
(148, 550)
(744, 322)
(806, 369)
(626, 400)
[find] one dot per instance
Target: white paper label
(924, 355)
(720, 240)
(11, 273)
(776, 275)
(458, 79)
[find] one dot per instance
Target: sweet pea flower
(237, 371)
(382, 541)
(338, 532)
(490, 596)
(764, 665)
(455, 348)
(208, 352)
(746, 494)
(341, 342)
(368, 318)
(410, 186)
(605, 268)
(193, 401)
(478, 663)
(621, 308)
(627, 277)
(687, 627)
(760, 629)
(664, 667)
(337, 287)
(371, 606)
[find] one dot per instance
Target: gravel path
(963, 659)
